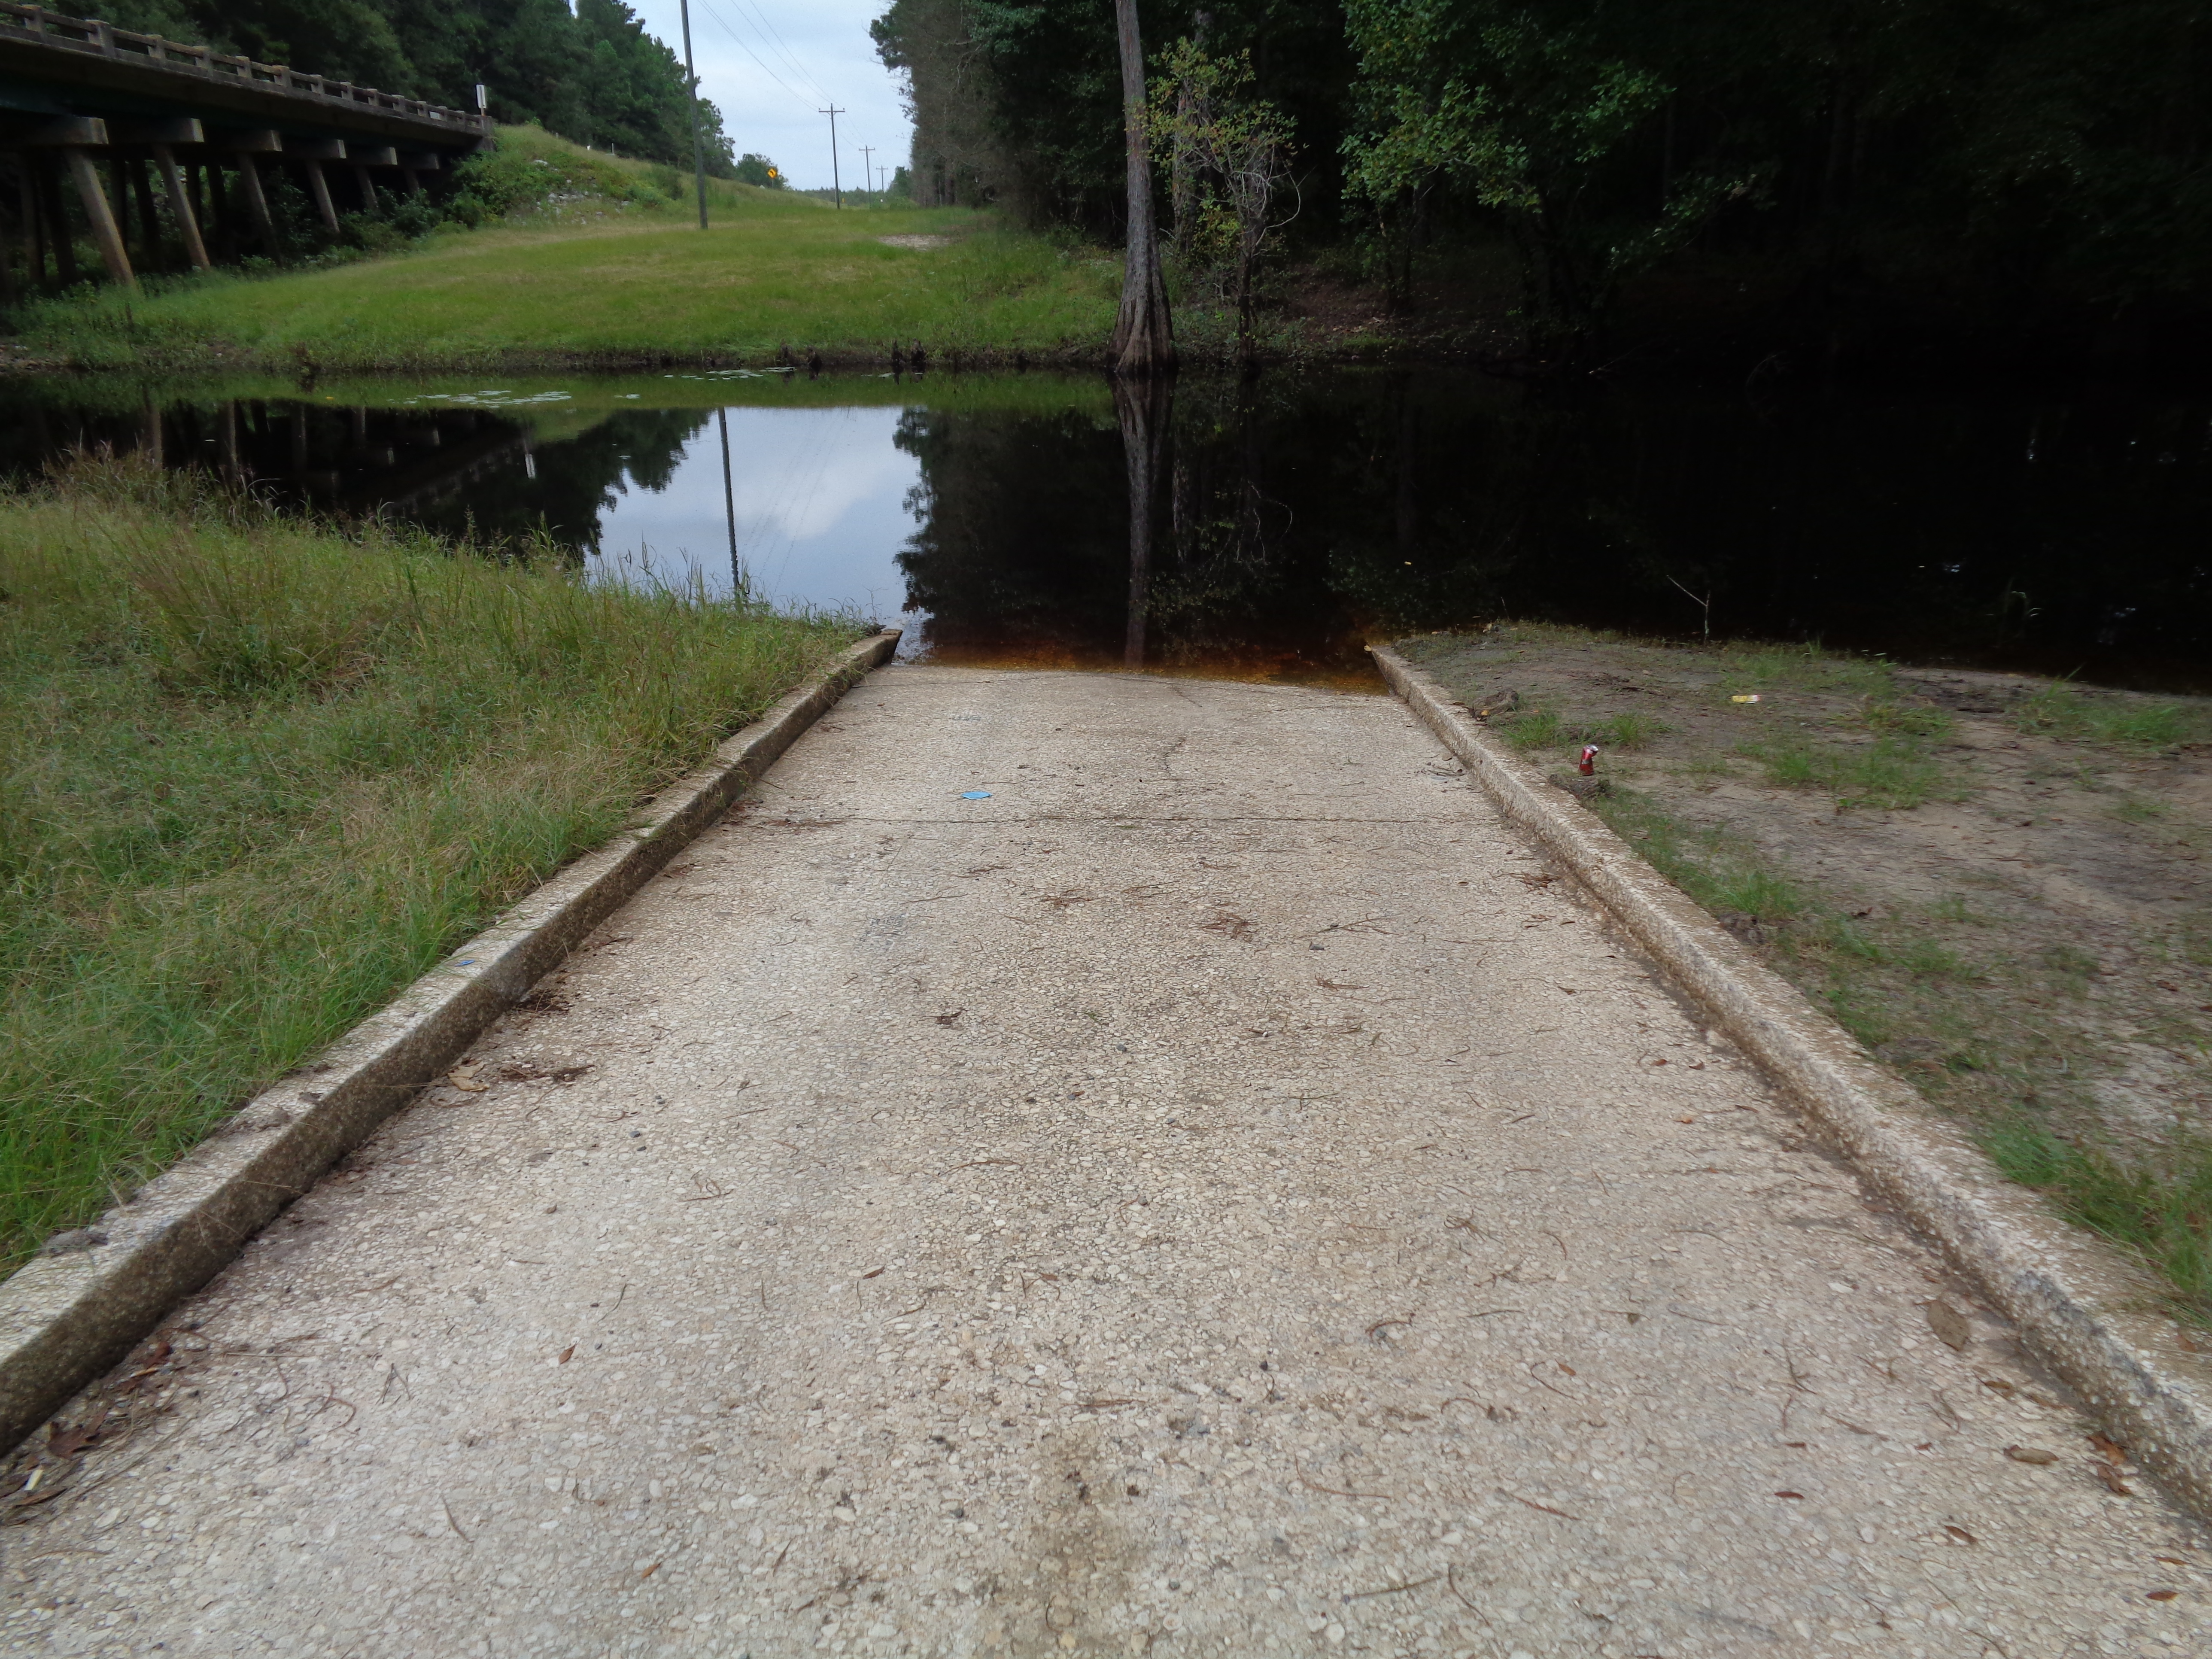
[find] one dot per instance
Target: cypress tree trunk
(1144, 336)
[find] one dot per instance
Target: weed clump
(2163, 1215)
(1888, 773)
(2062, 710)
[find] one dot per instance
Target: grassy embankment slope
(1994, 882)
(603, 270)
(257, 774)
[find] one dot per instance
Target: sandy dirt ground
(2033, 933)
(1211, 1192)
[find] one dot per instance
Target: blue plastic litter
(975, 794)
(466, 962)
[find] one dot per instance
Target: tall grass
(256, 774)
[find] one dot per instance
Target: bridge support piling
(118, 190)
(320, 186)
(60, 236)
(180, 207)
(27, 215)
(257, 202)
(104, 232)
(8, 265)
(218, 210)
(150, 252)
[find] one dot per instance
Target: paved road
(1213, 1195)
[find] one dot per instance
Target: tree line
(2042, 161)
(594, 75)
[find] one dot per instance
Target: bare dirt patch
(1996, 882)
(919, 242)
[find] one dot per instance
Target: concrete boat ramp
(1212, 1193)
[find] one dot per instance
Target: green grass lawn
(599, 281)
(256, 775)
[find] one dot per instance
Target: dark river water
(1285, 519)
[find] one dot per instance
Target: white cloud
(771, 65)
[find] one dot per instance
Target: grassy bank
(609, 271)
(1994, 882)
(257, 774)
(555, 405)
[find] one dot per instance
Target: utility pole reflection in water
(1145, 408)
(730, 509)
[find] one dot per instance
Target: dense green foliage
(1019, 101)
(2034, 151)
(527, 169)
(2015, 159)
(594, 75)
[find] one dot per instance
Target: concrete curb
(2080, 1303)
(65, 1319)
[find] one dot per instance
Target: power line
(790, 59)
(750, 54)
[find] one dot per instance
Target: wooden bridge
(210, 130)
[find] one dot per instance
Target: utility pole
(869, 151)
(835, 183)
(698, 144)
(880, 170)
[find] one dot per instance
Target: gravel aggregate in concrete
(1214, 1192)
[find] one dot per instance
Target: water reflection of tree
(1234, 577)
(1023, 534)
(577, 480)
(1020, 536)
(1295, 512)
(477, 472)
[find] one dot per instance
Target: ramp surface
(1211, 1193)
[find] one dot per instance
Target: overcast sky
(770, 64)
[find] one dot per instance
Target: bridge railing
(81, 35)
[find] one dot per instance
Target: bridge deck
(73, 88)
(51, 65)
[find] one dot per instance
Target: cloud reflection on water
(821, 510)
